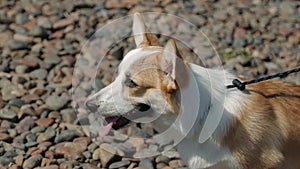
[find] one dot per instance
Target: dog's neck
(218, 105)
(221, 104)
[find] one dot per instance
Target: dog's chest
(204, 155)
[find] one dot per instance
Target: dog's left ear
(170, 61)
(142, 37)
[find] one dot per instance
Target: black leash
(242, 85)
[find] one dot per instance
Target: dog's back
(267, 134)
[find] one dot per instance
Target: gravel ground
(42, 43)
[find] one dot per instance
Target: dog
(259, 127)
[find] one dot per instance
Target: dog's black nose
(91, 106)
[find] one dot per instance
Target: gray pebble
(37, 129)
(33, 161)
(39, 74)
(146, 163)
(52, 59)
(45, 22)
(31, 137)
(47, 135)
(4, 161)
(21, 18)
(31, 144)
(55, 102)
(67, 135)
(119, 164)
(16, 102)
(39, 31)
(8, 114)
(240, 41)
(87, 154)
(7, 92)
(17, 45)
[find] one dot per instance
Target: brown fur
(267, 134)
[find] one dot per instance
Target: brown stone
(45, 122)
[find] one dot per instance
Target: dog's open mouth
(114, 122)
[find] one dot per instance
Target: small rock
(145, 153)
(239, 32)
(44, 22)
(52, 59)
(25, 124)
(106, 153)
(55, 102)
(70, 148)
(16, 102)
(32, 161)
(19, 159)
(39, 74)
(24, 38)
(39, 31)
(240, 41)
(5, 161)
(62, 23)
(21, 18)
(17, 45)
(163, 159)
(5, 37)
(197, 20)
(37, 129)
(119, 164)
(8, 114)
(176, 163)
(258, 40)
(87, 154)
(67, 135)
(48, 167)
(221, 15)
(45, 122)
(146, 163)
(112, 4)
(4, 136)
(8, 92)
(171, 154)
(136, 142)
(49, 134)
(167, 167)
(68, 115)
(31, 137)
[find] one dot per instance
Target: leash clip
(240, 85)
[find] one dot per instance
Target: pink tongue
(104, 130)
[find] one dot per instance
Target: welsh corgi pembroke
(259, 127)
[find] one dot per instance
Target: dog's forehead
(138, 56)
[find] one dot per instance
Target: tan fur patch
(147, 74)
(268, 129)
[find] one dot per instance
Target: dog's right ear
(142, 37)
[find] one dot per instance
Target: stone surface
(55, 102)
(33, 161)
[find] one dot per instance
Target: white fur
(207, 154)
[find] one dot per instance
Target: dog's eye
(130, 83)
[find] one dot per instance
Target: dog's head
(146, 85)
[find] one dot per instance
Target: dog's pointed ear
(141, 36)
(169, 63)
